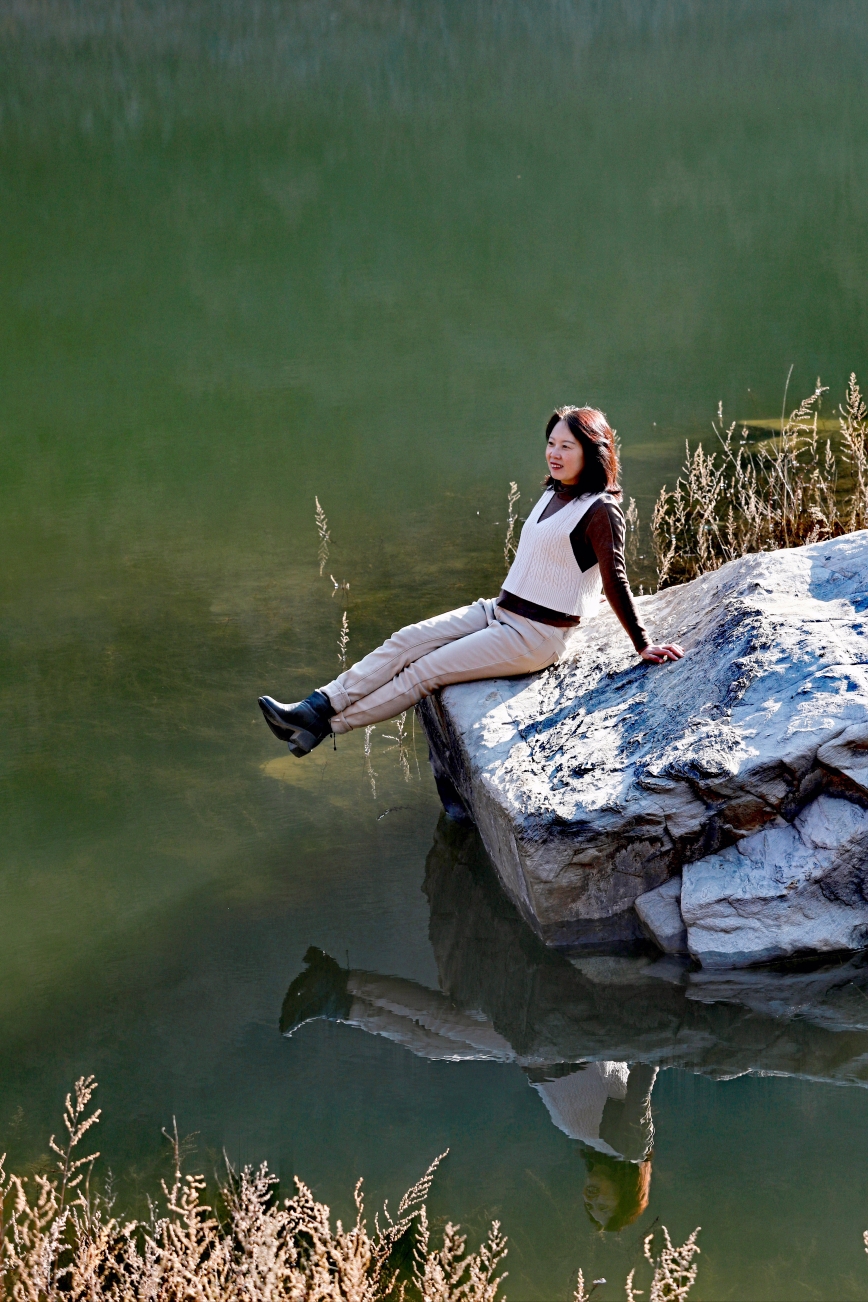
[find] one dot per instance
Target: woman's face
(601, 1197)
(564, 455)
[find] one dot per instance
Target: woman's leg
(510, 645)
(402, 648)
(307, 723)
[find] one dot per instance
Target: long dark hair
(590, 428)
(632, 1182)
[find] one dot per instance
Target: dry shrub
(64, 1243)
(674, 1270)
(749, 497)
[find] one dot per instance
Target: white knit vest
(545, 570)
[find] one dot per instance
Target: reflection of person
(570, 549)
(424, 1021)
(607, 1107)
(604, 1105)
(616, 1193)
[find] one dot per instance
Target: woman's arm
(599, 538)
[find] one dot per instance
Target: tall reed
(748, 496)
(674, 1269)
(510, 545)
(254, 1248)
(631, 519)
(401, 738)
(343, 641)
(322, 528)
(369, 767)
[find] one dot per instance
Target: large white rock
(595, 781)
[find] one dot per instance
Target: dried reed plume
(402, 741)
(343, 641)
(510, 545)
(853, 419)
(369, 767)
(749, 496)
(322, 528)
(582, 1294)
(631, 518)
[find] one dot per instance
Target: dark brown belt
(530, 610)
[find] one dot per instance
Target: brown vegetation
(750, 496)
(62, 1241)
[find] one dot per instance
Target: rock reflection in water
(590, 1033)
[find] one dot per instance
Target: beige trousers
(478, 641)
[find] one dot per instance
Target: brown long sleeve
(598, 538)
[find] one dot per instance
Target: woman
(571, 548)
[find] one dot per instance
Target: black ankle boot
(303, 725)
(319, 991)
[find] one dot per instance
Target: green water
(252, 253)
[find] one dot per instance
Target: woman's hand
(659, 655)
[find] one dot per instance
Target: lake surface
(256, 253)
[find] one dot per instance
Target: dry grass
(746, 496)
(674, 1270)
(60, 1240)
(63, 1241)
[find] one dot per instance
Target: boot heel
(302, 725)
(303, 741)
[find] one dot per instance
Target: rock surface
(660, 914)
(596, 781)
(789, 888)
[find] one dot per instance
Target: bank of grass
(749, 495)
(60, 1239)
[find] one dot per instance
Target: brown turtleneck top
(598, 539)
